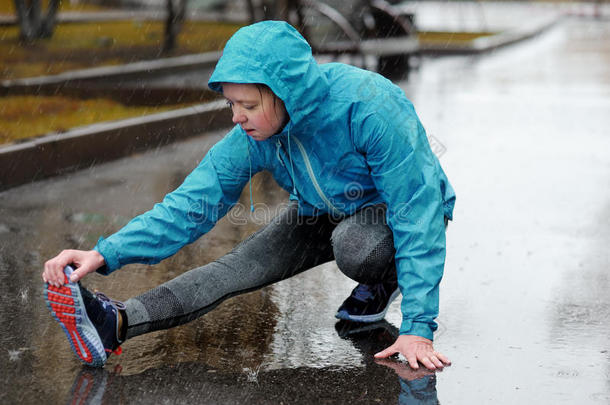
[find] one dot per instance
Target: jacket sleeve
(185, 214)
(406, 174)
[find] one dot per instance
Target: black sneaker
(90, 321)
(368, 303)
(347, 329)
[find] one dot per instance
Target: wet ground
(523, 136)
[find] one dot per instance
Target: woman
(346, 144)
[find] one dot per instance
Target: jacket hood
(275, 54)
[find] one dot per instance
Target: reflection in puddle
(387, 381)
(525, 136)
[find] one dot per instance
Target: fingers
(84, 262)
(443, 358)
(412, 360)
(384, 354)
(434, 360)
(437, 363)
(53, 269)
(431, 362)
(80, 272)
(416, 350)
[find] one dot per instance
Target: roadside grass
(23, 117)
(8, 6)
(85, 45)
(449, 38)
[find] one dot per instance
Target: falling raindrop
(23, 294)
(14, 355)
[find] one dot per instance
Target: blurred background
(50, 37)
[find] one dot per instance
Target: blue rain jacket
(353, 139)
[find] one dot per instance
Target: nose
(238, 116)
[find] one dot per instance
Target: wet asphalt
(523, 136)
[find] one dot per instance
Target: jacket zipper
(278, 145)
(313, 179)
(279, 157)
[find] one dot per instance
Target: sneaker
(347, 329)
(90, 321)
(368, 303)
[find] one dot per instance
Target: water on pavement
(522, 134)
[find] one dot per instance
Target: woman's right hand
(84, 262)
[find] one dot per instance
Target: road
(523, 136)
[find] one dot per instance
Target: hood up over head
(275, 54)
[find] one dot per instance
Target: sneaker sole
(368, 318)
(68, 308)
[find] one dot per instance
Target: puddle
(524, 132)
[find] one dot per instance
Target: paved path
(524, 302)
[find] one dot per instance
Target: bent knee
(364, 257)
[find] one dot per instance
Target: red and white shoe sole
(67, 307)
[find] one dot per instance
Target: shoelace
(363, 292)
(105, 301)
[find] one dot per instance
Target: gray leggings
(361, 244)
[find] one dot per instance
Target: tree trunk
(176, 14)
(32, 23)
(251, 11)
(48, 22)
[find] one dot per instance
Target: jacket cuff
(408, 327)
(110, 255)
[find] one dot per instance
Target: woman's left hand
(416, 349)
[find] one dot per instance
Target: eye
(249, 107)
(230, 103)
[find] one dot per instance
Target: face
(257, 111)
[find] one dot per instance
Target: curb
(132, 83)
(55, 154)
(493, 42)
(137, 72)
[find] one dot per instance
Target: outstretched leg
(287, 246)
